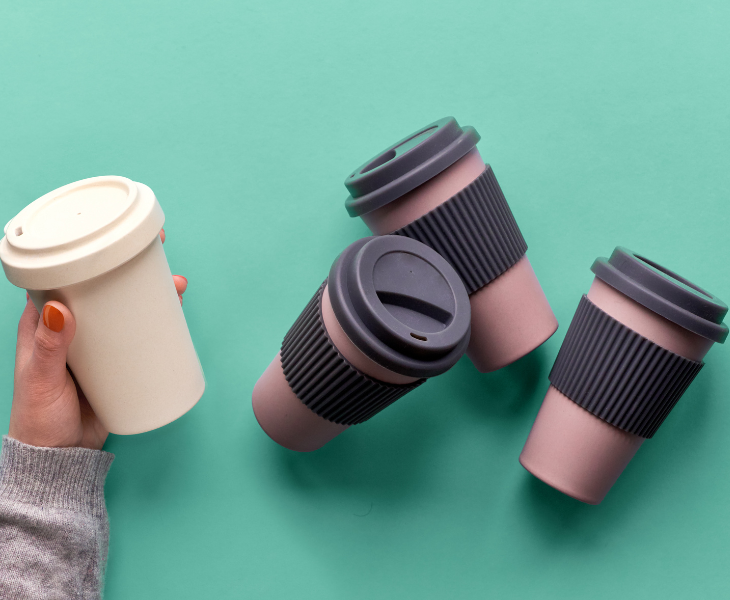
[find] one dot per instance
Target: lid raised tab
(401, 304)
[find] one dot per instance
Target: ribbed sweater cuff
(68, 478)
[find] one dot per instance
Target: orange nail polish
(52, 318)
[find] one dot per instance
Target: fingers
(53, 335)
(181, 284)
(26, 333)
(95, 433)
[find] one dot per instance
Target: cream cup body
(132, 354)
(285, 418)
(94, 245)
(510, 315)
(576, 452)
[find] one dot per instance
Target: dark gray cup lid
(407, 164)
(401, 304)
(663, 291)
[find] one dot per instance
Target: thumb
(56, 329)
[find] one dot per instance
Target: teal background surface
(606, 123)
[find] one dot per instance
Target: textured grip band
(474, 230)
(324, 380)
(618, 375)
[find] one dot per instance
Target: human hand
(49, 408)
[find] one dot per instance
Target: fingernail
(52, 318)
(185, 278)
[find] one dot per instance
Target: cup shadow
(677, 442)
(564, 520)
(387, 457)
(390, 455)
(551, 510)
(511, 392)
(170, 448)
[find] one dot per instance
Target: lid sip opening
(407, 164)
(663, 291)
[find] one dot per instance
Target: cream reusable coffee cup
(391, 314)
(434, 187)
(634, 346)
(94, 245)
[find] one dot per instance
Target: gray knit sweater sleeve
(54, 530)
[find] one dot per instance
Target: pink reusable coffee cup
(95, 246)
(391, 313)
(635, 344)
(433, 186)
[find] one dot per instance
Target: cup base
(510, 317)
(284, 418)
(151, 425)
(576, 452)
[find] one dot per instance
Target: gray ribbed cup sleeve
(323, 379)
(474, 231)
(618, 375)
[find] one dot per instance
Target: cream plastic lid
(79, 231)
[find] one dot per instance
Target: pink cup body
(510, 315)
(576, 452)
(285, 418)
